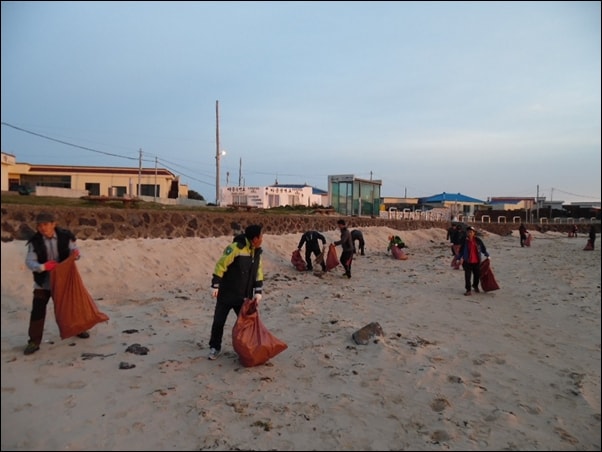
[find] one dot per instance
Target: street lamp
(218, 156)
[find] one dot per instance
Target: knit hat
(44, 217)
(252, 231)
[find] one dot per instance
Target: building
(156, 183)
(277, 195)
(350, 195)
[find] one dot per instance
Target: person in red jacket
(470, 252)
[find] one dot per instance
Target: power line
(67, 143)
(107, 153)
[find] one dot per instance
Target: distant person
(237, 275)
(347, 245)
(395, 240)
(358, 236)
(522, 231)
(471, 249)
(592, 237)
(48, 246)
(455, 235)
(574, 231)
(311, 240)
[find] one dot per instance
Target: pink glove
(50, 265)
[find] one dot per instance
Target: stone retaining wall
(18, 223)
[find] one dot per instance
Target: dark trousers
(523, 237)
(473, 270)
(360, 246)
(346, 258)
(316, 252)
(38, 315)
(222, 309)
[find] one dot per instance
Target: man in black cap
(237, 275)
(48, 246)
(347, 245)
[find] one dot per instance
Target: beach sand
(513, 369)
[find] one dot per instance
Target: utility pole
(240, 173)
(139, 172)
(217, 156)
(155, 191)
(537, 203)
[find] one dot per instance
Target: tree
(194, 195)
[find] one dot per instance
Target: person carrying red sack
(48, 246)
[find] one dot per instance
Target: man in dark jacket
(347, 245)
(48, 246)
(311, 240)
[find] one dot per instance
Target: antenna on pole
(240, 173)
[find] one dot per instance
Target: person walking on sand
(470, 252)
(347, 247)
(237, 275)
(592, 237)
(311, 240)
(522, 231)
(48, 246)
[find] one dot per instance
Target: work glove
(50, 265)
(257, 297)
(214, 292)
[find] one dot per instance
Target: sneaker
(214, 353)
(83, 335)
(476, 289)
(467, 293)
(32, 347)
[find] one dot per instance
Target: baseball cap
(44, 217)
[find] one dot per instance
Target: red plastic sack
(398, 253)
(528, 240)
(455, 263)
(251, 340)
(298, 261)
(74, 307)
(589, 246)
(332, 260)
(488, 282)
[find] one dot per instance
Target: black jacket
(310, 239)
(63, 238)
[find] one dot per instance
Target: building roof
(450, 197)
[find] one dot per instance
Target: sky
(487, 99)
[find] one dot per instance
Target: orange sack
(74, 308)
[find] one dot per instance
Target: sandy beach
(513, 369)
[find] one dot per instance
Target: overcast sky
(479, 98)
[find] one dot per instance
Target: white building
(278, 195)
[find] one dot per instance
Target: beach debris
(364, 334)
(124, 365)
(137, 349)
(95, 355)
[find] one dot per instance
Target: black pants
(316, 252)
(361, 244)
(220, 315)
(473, 270)
(346, 258)
(38, 315)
